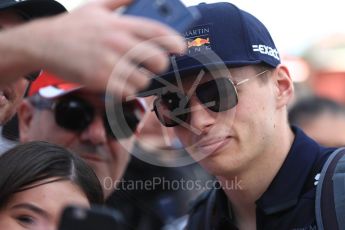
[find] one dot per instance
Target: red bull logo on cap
(198, 42)
(199, 39)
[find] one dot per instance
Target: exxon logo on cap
(263, 49)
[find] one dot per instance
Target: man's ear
(25, 120)
(284, 85)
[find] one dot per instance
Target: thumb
(111, 4)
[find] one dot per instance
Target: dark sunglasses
(173, 107)
(75, 114)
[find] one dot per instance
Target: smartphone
(98, 217)
(170, 12)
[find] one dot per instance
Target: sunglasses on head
(173, 107)
(76, 114)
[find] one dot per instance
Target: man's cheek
(183, 135)
(120, 149)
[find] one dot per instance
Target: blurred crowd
(319, 105)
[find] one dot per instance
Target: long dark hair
(32, 162)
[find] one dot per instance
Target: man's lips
(92, 157)
(212, 141)
(212, 145)
(91, 152)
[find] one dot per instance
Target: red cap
(50, 86)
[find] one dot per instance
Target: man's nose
(201, 118)
(95, 132)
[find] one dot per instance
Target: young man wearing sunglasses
(74, 117)
(12, 14)
(227, 101)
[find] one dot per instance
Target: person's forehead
(55, 188)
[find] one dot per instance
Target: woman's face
(40, 207)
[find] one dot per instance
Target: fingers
(126, 79)
(145, 53)
(151, 57)
(169, 43)
(99, 40)
(143, 28)
(146, 29)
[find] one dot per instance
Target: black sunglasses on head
(173, 107)
(76, 114)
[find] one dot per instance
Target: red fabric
(46, 79)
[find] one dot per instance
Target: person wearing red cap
(89, 46)
(74, 117)
(13, 13)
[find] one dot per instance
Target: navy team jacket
(288, 203)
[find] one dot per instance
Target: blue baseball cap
(224, 35)
(31, 9)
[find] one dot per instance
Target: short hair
(35, 161)
(311, 107)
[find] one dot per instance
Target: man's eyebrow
(32, 208)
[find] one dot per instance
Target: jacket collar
(286, 187)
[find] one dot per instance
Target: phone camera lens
(163, 8)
